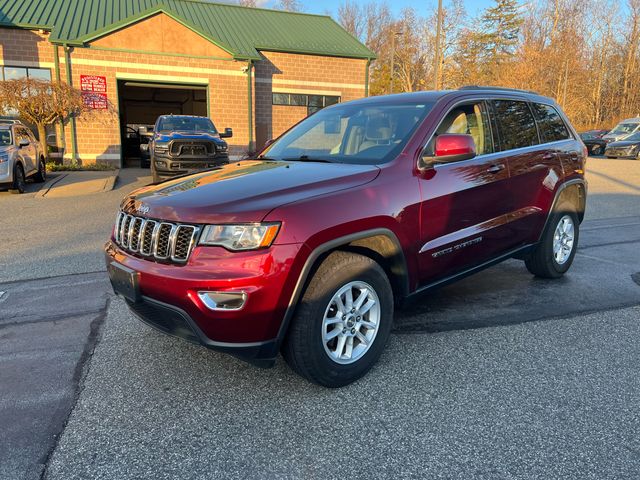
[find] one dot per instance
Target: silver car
(21, 156)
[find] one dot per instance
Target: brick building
(257, 71)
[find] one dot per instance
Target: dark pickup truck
(184, 144)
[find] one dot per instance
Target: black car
(594, 142)
(184, 144)
(627, 148)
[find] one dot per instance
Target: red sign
(93, 83)
(97, 101)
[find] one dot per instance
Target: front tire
(41, 176)
(19, 184)
(342, 322)
(554, 255)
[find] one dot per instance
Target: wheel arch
(380, 244)
(574, 192)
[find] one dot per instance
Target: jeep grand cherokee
(306, 248)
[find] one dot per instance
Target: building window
(312, 102)
(14, 73)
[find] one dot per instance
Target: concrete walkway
(73, 184)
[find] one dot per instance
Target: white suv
(21, 156)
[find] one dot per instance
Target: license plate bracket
(124, 281)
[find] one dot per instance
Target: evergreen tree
(501, 27)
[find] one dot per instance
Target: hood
(243, 192)
(624, 143)
(168, 136)
(615, 136)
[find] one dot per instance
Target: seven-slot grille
(152, 238)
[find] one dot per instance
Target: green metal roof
(239, 30)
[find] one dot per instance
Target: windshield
(351, 133)
(185, 124)
(5, 138)
(625, 128)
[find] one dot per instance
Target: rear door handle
(496, 168)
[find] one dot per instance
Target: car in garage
(627, 148)
(21, 156)
(306, 248)
(183, 144)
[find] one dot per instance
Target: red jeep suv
(305, 249)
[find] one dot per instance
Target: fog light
(223, 301)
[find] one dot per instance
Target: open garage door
(141, 103)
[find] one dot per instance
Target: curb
(110, 182)
(47, 186)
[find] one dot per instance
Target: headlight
(161, 148)
(240, 237)
(222, 148)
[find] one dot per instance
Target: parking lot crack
(79, 375)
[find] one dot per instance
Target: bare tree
(289, 5)
(44, 103)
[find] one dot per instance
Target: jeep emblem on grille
(143, 209)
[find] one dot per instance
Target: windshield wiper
(306, 158)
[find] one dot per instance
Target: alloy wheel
(351, 322)
(563, 239)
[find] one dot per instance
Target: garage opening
(141, 103)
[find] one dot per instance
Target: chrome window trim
(488, 156)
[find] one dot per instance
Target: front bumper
(619, 153)
(169, 167)
(169, 296)
(6, 174)
(176, 322)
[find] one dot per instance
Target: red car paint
(445, 220)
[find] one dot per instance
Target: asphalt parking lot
(499, 376)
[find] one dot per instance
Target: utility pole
(437, 59)
(392, 65)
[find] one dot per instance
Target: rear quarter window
(552, 127)
(516, 124)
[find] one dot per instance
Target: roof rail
(8, 121)
(503, 89)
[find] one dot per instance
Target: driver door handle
(496, 168)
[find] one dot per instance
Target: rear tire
(41, 176)
(19, 183)
(554, 254)
(337, 335)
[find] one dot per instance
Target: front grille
(155, 240)
(185, 148)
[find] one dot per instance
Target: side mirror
(24, 143)
(228, 133)
(451, 147)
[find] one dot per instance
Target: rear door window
(516, 124)
(551, 125)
